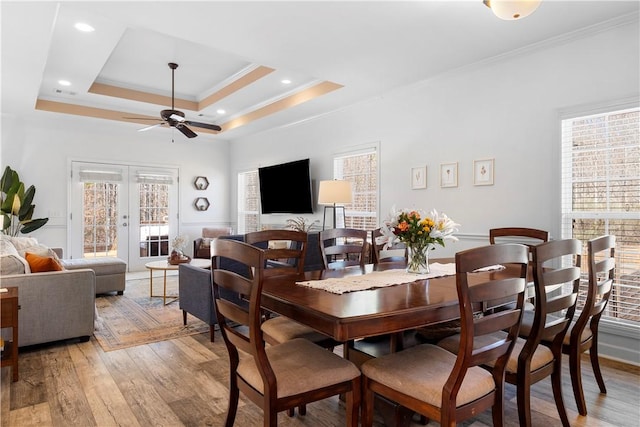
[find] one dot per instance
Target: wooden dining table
(375, 312)
(366, 313)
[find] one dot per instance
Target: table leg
(150, 283)
(164, 291)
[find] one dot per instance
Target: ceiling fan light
(510, 10)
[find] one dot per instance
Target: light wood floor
(183, 382)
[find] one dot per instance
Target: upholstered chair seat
(282, 329)
(296, 364)
(422, 371)
(541, 356)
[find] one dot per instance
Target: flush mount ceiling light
(64, 82)
(85, 28)
(510, 10)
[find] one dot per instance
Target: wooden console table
(9, 319)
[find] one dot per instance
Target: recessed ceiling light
(85, 28)
(220, 111)
(64, 82)
(285, 81)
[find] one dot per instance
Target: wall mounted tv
(286, 188)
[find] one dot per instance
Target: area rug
(134, 318)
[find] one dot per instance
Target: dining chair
(285, 252)
(275, 377)
(397, 253)
(343, 247)
(538, 351)
(447, 387)
(284, 255)
(527, 236)
(582, 334)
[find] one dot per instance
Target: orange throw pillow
(40, 264)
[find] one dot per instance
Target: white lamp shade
(335, 191)
(510, 10)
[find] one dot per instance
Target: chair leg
(234, 394)
(523, 391)
(576, 379)
(353, 399)
(367, 404)
(556, 383)
(184, 317)
(595, 364)
(302, 410)
(212, 329)
(291, 412)
(497, 412)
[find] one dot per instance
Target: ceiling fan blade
(186, 131)
(140, 118)
(204, 125)
(150, 127)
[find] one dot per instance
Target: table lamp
(331, 193)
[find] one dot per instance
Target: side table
(164, 266)
(9, 319)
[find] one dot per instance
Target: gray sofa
(54, 306)
(194, 284)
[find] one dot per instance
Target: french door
(127, 211)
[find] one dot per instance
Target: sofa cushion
(10, 261)
(13, 264)
(41, 264)
(101, 266)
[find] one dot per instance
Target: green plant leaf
(26, 201)
(6, 221)
(8, 178)
(26, 214)
(33, 225)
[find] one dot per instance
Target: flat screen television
(286, 188)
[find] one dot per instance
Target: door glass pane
(154, 220)
(100, 216)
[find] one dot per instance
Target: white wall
(507, 110)
(503, 109)
(40, 150)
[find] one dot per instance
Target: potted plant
(16, 205)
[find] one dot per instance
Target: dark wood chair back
(266, 375)
(526, 236)
(556, 276)
(342, 247)
(583, 333)
(383, 375)
(287, 252)
(378, 252)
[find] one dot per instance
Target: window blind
(248, 202)
(601, 195)
(361, 168)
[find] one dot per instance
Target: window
(361, 168)
(248, 202)
(601, 195)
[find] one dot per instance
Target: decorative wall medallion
(202, 203)
(201, 183)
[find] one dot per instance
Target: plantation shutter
(248, 202)
(361, 168)
(601, 195)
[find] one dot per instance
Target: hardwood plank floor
(183, 382)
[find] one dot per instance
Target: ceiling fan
(175, 118)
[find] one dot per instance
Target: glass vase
(418, 259)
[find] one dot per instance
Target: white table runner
(381, 279)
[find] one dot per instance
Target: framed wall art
(483, 172)
(419, 178)
(449, 175)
